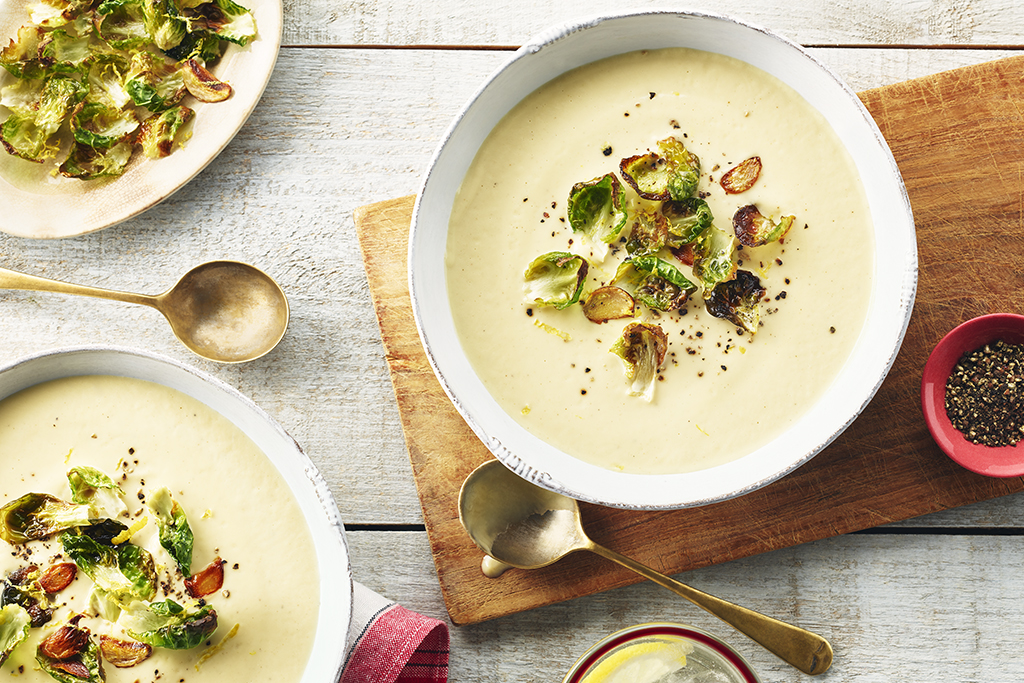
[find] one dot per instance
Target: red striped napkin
(389, 644)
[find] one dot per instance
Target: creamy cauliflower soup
(721, 392)
(146, 437)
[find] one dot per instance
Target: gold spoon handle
(807, 651)
(10, 279)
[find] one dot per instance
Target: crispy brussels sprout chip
(202, 84)
(26, 133)
(154, 83)
(158, 132)
(597, 208)
(108, 82)
(687, 219)
(70, 655)
(125, 571)
(672, 174)
(738, 301)
(62, 52)
(36, 516)
(89, 486)
(122, 24)
(14, 623)
(228, 21)
(663, 287)
(175, 534)
(713, 258)
(168, 625)
(648, 233)
(741, 177)
(85, 162)
(103, 605)
(642, 348)
(21, 56)
(555, 279)
(608, 303)
(97, 125)
(754, 230)
(163, 24)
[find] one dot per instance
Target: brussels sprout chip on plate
(97, 66)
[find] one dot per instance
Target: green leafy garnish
(671, 173)
(14, 623)
(175, 533)
(663, 287)
(125, 571)
(738, 301)
(642, 348)
(555, 279)
(168, 625)
(687, 219)
(89, 486)
(36, 516)
(754, 230)
(597, 209)
(713, 258)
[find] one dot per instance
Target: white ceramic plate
(43, 205)
(893, 287)
(313, 496)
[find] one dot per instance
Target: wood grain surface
(955, 136)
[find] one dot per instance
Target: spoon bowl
(225, 311)
(527, 527)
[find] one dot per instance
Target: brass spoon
(525, 526)
(224, 311)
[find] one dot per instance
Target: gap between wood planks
(812, 46)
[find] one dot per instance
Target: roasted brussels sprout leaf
(228, 21)
(103, 605)
(663, 286)
(21, 56)
(648, 233)
(608, 303)
(738, 301)
(27, 131)
(157, 133)
(555, 279)
(741, 177)
(754, 230)
(713, 258)
(175, 532)
(21, 588)
(687, 219)
(87, 162)
(168, 625)
(122, 24)
(98, 125)
(126, 571)
(36, 516)
(163, 23)
(89, 486)
(70, 655)
(642, 348)
(60, 51)
(14, 624)
(154, 83)
(672, 174)
(597, 209)
(201, 84)
(124, 654)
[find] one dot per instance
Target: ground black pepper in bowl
(985, 394)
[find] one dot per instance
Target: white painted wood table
(360, 96)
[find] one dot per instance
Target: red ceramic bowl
(1005, 461)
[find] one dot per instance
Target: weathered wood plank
(895, 608)
(512, 22)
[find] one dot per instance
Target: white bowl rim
(327, 656)
(550, 468)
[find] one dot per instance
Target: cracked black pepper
(985, 394)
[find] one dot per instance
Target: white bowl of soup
(734, 404)
(254, 501)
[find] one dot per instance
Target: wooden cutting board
(958, 138)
